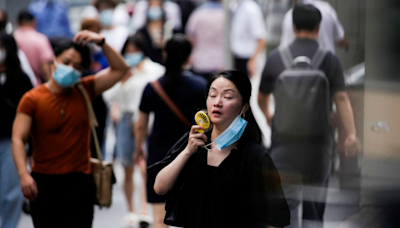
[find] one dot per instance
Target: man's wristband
(102, 42)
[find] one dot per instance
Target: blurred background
(364, 190)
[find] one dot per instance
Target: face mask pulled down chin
(231, 135)
(154, 13)
(133, 59)
(66, 76)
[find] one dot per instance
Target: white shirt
(26, 67)
(129, 94)
(247, 28)
(171, 9)
(120, 15)
(330, 32)
(116, 37)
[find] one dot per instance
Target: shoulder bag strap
(171, 105)
(92, 119)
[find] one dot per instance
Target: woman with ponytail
(187, 93)
(224, 177)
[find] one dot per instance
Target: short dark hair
(111, 3)
(139, 41)
(25, 16)
(62, 44)
(306, 17)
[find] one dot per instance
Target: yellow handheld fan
(203, 120)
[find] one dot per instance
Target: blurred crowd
(182, 44)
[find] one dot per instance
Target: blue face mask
(154, 13)
(133, 59)
(106, 17)
(231, 135)
(66, 76)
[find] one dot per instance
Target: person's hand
(114, 113)
(85, 36)
(350, 146)
(251, 67)
(29, 187)
(196, 140)
(269, 118)
(138, 155)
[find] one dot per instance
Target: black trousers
(63, 200)
(305, 169)
(241, 64)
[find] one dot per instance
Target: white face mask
(3, 55)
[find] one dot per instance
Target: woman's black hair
(178, 50)
(243, 84)
(13, 65)
(60, 45)
(139, 41)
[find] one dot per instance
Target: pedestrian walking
(248, 33)
(13, 84)
(331, 32)
(60, 187)
(52, 18)
(115, 34)
(171, 9)
(205, 29)
(5, 26)
(187, 95)
(124, 100)
(223, 178)
(305, 79)
(35, 45)
(156, 31)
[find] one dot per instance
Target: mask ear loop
(208, 146)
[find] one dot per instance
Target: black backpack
(302, 97)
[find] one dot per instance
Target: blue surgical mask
(66, 76)
(133, 59)
(231, 135)
(154, 13)
(106, 17)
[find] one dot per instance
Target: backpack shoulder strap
(318, 58)
(286, 56)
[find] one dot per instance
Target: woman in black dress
(223, 178)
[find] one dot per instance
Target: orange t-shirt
(60, 145)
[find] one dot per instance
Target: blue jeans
(124, 144)
(11, 197)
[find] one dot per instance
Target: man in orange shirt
(60, 187)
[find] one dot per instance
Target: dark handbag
(174, 215)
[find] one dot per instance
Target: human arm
(140, 134)
(251, 64)
(263, 102)
(344, 43)
(167, 177)
(345, 114)
(20, 134)
(117, 66)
